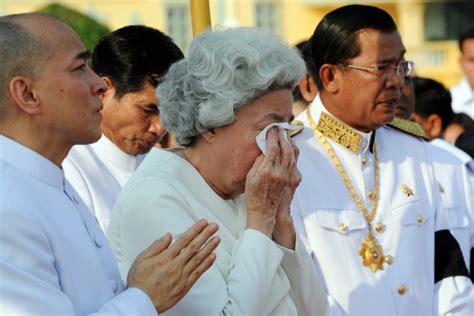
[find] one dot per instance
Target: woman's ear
(23, 95)
(209, 135)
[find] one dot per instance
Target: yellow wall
(298, 21)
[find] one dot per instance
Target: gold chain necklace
(370, 251)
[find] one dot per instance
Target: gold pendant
(371, 253)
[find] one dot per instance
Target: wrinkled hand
(166, 273)
(268, 180)
(284, 231)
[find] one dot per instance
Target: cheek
(244, 158)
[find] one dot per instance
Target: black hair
(431, 97)
(134, 55)
(304, 48)
(467, 34)
(335, 39)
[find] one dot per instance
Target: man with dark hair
(367, 204)
(453, 168)
(132, 61)
(54, 258)
(432, 106)
(463, 92)
(306, 90)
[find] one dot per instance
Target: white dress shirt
(332, 226)
(252, 274)
(463, 98)
(98, 173)
(54, 258)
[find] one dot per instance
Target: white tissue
(262, 136)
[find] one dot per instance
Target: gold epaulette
(296, 131)
(408, 127)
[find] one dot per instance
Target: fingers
(187, 237)
(273, 150)
(195, 245)
(200, 269)
(201, 255)
(286, 152)
(156, 247)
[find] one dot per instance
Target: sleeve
(307, 288)
(453, 292)
(239, 281)
(332, 306)
(29, 283)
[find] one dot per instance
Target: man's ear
(21, 92)
(111, 89)
(436, 126)
(329, 75)
(209, 135)
(308, 88)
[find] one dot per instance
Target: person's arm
(29, 282)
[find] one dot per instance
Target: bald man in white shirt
(54, 258)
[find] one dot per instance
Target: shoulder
(408, 127)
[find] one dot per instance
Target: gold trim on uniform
(409, 127)
(370, 250)
(337, 131)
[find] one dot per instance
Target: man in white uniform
(463, 92)
(453, 168)
(131, 60)
(366, 206)
(54, 258)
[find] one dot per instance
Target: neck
(205, 165)
(36, 139)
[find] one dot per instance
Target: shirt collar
(111, 153)
(317, 107)
(30, 162)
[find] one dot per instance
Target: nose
(394, 80)
(156, 126)
(98, 85)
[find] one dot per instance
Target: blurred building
(429, 28)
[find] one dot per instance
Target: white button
(99, 240)
(113, 285)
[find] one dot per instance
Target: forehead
(380, 46)
(468, 47)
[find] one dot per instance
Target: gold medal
(371, 253)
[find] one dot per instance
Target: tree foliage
(89, 30)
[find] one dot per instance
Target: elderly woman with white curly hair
(232, 85)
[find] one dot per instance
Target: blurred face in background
(467, 60)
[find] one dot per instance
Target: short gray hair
(20, 52)
(224, 70)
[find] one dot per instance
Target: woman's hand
(284, 232)
(269, 186)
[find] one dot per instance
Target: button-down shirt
(98, 173)
(54, 258)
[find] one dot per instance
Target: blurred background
(429, 28)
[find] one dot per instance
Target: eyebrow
(83, 55)
(278, 117)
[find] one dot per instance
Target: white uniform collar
(317, 106)
(31, 162)
(108, 151)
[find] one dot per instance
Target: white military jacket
(332, 226)
(98, 173)
(54, 258)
